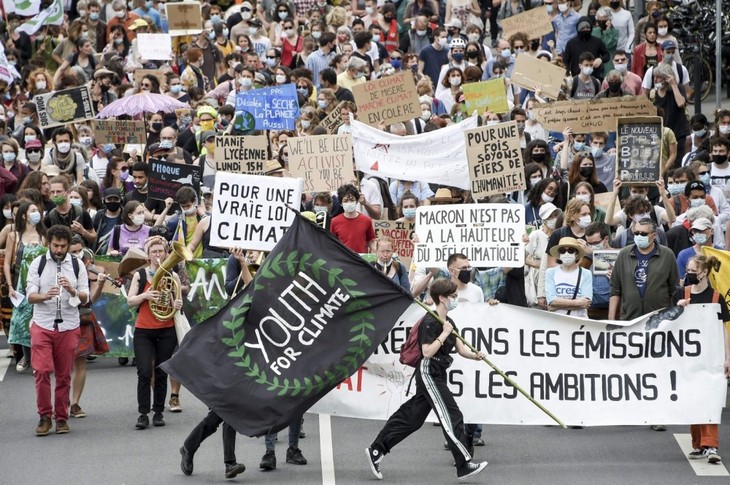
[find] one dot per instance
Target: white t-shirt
(648, 82)
(720, 177)
(561, 284)
(371, 191)
(472, 294)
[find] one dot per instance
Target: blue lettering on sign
(271, 108)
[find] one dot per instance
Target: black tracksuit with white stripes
(432, 392)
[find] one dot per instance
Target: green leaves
(317, 266)
(333, 274)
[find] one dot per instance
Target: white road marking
(700, 467)
(325, 449)
(4, 363)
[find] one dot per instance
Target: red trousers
(52, 352)
(705, 435)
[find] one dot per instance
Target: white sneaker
(712, 456)
(22, 365)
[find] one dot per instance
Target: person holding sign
(437, 341)
(568, 287)
(697, 289)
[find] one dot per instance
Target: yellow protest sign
(486, 95)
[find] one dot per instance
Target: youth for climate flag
(313, 314)
(24, 8)
(53, 15)
(437, 157)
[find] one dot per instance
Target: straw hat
(567, 242)
(443, 195)
(272, 166)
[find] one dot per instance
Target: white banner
(437, 157)
(250, 211)
(586, 372)
(488, 234)
(154, 47)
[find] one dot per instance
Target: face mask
(316, 34)
(409, 213)
(40, 84)
(442, 41)
(638, 217)
(124, 175)
(207, 125)
(34, 218)
(719, 159)
(705, 179)
(85, 140)
(658, 85)
(472, 54)
(349, 207)
(271, 62)
(120, 14)
(668, 58)
(191, 211)
(225, 33)
(534, 181)
(77, 202)
(505, 52)
(306, 124)
(396, 63)
(584, 222)
(320, 208)
(359, 75)
(166, 144)
(724, 129)
(700, 238)
(211, 35)
(94, 16)
(9, 157)
(473, 37)
(283, 15)
(64, 147)
(138, 219)
(586, 172)
(28, 138)
(587, 71)
(676, 189)
(27, 120)
(699, 133)
(302, 91)
(426, 115)
(455, 81)
(538, 157)
(157, 126)
(253, 30)
(691, 279)
(662, 31)
(34, 157)
(551, 223)
(642, 242)
(621, 67)
(584, 197)
(579, 146)
(465, 275)
(280, 79)
(596, 152)
(563, 7)
(458, 57)
(322, 104)
(550, 9)
(58, 199)
(176, 89)
(546, 198)
(245, 82)
(492, 122)
(7, 213)
(614, 86)
(603, 24)
(520, 126)
(567, 258)
(696, 202)
(614, 5)
(113, 206)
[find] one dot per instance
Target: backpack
(410, 352)
(574, 87)
(113, 236)
(56, 219)
(74, 263)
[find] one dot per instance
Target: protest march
(471, 213)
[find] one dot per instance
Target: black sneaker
(157, 420)
(235, 469)
(295, 457)
(268, 462)
(142, 422)
(186, 462)
(374, 458)
(470, 469)
(123, 361)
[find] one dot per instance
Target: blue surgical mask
(409, 213)
(700, 238)
(452, 304)
(396, 63)
(34, 218)
(579, 146)
(705, 179)
(596, 152)
(676, 189)
(215, 18)
(94, 16)
(9, 157)
(505, 53)
(27, 120)
(166, 144)
(699, 133)
(176, 89)
(642, 242)
(107, 148)
(302, 91)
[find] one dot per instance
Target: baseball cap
(33, 144)
(702, 224)
(138, 23)
(669, 44)
(207, 134)
(112, 192)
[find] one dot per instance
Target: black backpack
(387, 200)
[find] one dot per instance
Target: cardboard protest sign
(184, 18)
(324, 162)
(639, 145)
(333, 121)
(486, 95)
(250, 211)
(401, 232)
(534, 23)
(604, 201)
(62, 107)
(488, 234)
(585, 372)
(275, 108)
(387, 100)
(241, 154)
(120, 132)
(154, 47)
(529, 71)
(166, 178)
(495, 159)
(140, 73)
(591, 116)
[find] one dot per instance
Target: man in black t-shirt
(68, 215)
(140, 177)
(108, 217)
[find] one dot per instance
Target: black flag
(313, 314)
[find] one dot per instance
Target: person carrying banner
(697, 289)
(432, 392)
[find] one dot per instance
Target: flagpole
(497, 369)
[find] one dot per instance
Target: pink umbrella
(141, 103)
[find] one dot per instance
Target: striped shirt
(317, 62)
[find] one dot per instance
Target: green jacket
(661, 282)
(610, 40)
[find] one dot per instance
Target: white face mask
(567, 258)
(7, 213)
(724, 129)
(138, 219)
(191, 211)
(34, 157)
(584, 197)
(546, 198)
(426, 115)
(621, 67)
(551, 223)
(40, 84)
(349, 207)
(455, 81)
(442, 41)
(280, 79)
(587, 71)
(120, 14)
(662, 31)
(473, 37)
(306, 124)
(563, 7)
(64, 147)
(253, 30)
(584, 222)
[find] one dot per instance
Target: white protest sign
(250, 211)
(586, 372)
(488, 234)
(154, 47)
(438, 157)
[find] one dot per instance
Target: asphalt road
(105, 448)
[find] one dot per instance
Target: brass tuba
(253, 267)
(165, 283)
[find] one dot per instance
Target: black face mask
(472, 54)
(691, 279)
(465, 276)
(614, 5)
(586, 172)
(603, 24)
(538, 157)
(584, 34)
(388, 19)
(113, 206)
(614, 86)
(719, 159)
(534, 45)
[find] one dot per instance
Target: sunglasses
(703, 173)
(568, 251)
(33, 150)
(642, 233)
(398, 58)
(146, 85)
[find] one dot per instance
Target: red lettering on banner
(358, 379)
